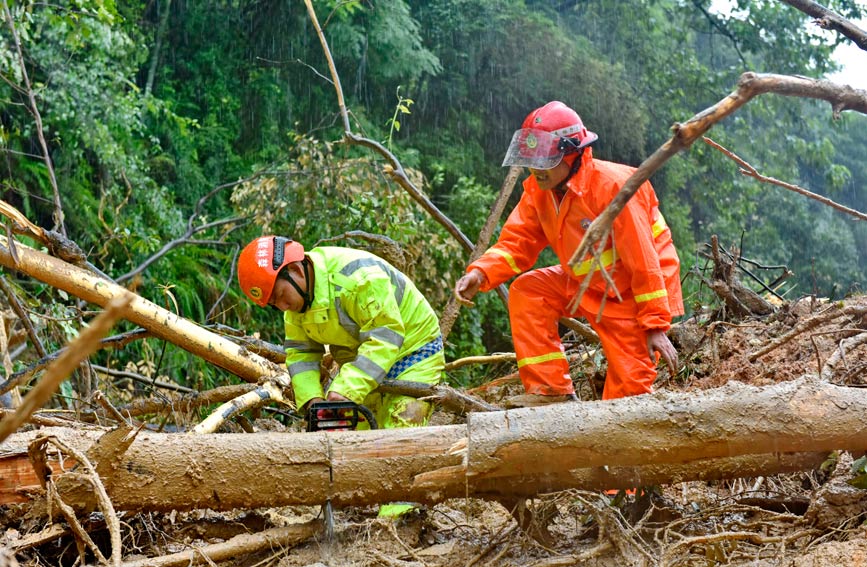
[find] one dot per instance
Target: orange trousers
(537, 300)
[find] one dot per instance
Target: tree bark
(654, 439)
(802, 415)
(162, 323)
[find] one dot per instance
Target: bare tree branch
(191, 230)
(22, 316)
(831, 313)
(750, 85)
(750, 171)
(82, 347)
(829, 20)
(450, 313)
(715, 22)
(158, 42)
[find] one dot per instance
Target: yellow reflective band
(608, 257)
(540, 359)
(508, 258)
(652, 295)
(659, 226)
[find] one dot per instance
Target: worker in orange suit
(567, 189)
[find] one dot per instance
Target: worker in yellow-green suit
(374, 321)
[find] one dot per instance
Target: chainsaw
(338, 416)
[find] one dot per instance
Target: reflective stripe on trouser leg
(630, 370)
(537, 300)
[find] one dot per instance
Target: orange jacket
(642, 262)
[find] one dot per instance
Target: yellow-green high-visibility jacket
(371, 315)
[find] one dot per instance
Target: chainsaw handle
(368, 415)
(327, 415)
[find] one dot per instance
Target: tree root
(240, 545)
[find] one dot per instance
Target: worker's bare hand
(657, 341)
(335, 397)
(468, 286)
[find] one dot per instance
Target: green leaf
(829, 463)
(860, 465)
(859, 482)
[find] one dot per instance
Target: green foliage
(320, 193)
(859, 467)
(370, 36)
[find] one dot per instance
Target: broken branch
(83, 346)
(804, 326)
(240, 545)
(750, 85)
(750, 171)
(161, 322)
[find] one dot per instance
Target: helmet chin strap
(576, 165)
(307, 296)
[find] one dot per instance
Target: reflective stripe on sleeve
(304, 346)
(398, 280)
(369, 367)
(508, 257)
(299, 367)
(659, 226)
(384, 334)
(346, 322)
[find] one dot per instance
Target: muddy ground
(808, 519)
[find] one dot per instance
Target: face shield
(534, 148)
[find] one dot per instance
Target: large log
(162, 323)
(655, 439)
(802, 415)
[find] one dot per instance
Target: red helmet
(542, 142)
(260, 262)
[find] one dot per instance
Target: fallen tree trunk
(162, 323)
(802, 415)
(308, 483)
(655, 439)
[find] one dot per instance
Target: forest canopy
(205, 123)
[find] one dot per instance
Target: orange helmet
(547, 134)
(260, 262)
